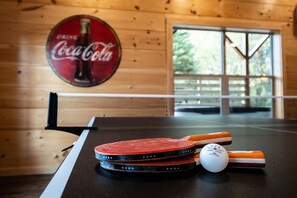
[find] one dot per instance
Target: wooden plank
(291, 113)
(34, 55)
(37, 97)
(258, 11)
(22, 97)
(143, 20)
(34, 140)
(290, 31)
(14, 119)
(66, 117)
(144, 5)
(37, 34)
(32, 151)
(23, 54)
(45, 77)
(291, 47)
(292, 92)
(30, 119)
(52, 14)
(69, 120)
(24, 33)
(277, 2)
(29, 76)
(291, 63)
(140, 79)
(292, 103)
(109, 102)
(143, 59)
(173, 6)
(223, 22)
(237, 9)
(42, 161)
(135, 73)
(147, 40)
(34, 96)
(291, 81)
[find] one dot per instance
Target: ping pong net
(52, 123)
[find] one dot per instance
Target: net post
(53, 117)
(52, 110)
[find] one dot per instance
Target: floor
(23, 186)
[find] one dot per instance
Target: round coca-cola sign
(83, 50)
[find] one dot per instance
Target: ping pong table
(81, 176)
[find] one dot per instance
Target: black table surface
(276, 138)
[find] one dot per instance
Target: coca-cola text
(96, 51)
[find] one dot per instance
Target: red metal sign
(83, 50)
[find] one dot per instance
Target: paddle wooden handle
(252, 159)
(201, 140)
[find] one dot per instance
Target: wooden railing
(206, 85)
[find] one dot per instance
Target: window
(222, 62)
(194, 51)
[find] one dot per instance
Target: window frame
(225, 103)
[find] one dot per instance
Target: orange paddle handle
(254, 159)
(246, 154)
(217, 137)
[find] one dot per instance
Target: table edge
(57, 184)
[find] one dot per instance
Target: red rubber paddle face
(144, 149)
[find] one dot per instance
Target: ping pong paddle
(248, 159)
(158, 148)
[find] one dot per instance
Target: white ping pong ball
(214, 158)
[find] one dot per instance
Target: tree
(183, 53)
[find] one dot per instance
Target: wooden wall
(26, 77)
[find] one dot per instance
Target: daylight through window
(214, 63)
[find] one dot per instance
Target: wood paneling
(52, 14)
(26, 77)
(28, 151)
(290, 56)
(150, 40)
(16, 34)
(136, 62)
(252, 9)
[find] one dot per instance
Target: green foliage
(183, 53)
(196, 52)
